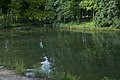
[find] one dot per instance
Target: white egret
(46, 65)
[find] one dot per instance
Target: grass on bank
(16, 65)
(85, 26)
(19, 68)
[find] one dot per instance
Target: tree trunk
(93, 15)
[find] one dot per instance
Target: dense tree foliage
(108, 13)
(102, 12)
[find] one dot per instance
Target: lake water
(89, 55)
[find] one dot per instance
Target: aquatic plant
(106, 78)
(19, 67)
(16, 65)
(63, 76)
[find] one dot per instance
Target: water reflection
(41, 43)
(6, 45)
(89, 55)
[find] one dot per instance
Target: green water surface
(89, 55)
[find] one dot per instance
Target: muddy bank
(10, 75)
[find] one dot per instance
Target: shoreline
(85, 26)
(72, 26)
(6, 74)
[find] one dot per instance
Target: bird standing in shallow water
(45, 68)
